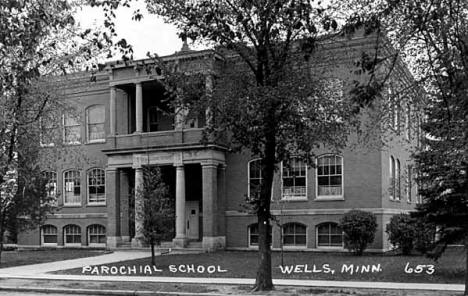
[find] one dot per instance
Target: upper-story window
(294, 179)
(408, 122)
(255, 177)
(71, 129)
(72, 188)
(392, 177)
(330, 176)
(95, 119)
(152, 119)
(96, 186)
(409, 183)
(51, 185)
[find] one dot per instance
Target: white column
(180, 240)
(138, 239)
(139, 107)
(113, 111)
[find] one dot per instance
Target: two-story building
(123, 125)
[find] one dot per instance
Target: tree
(271, 103)
(358, 230)
(34, 41)
(433, 36)
(157, 210)
(401, 232)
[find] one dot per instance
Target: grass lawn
(24, 257)
(449, 268)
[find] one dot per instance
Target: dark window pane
(335, 180)
(301, 240)
(323, 180)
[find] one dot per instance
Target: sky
(149, 34)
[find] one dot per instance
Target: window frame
(293, 197)
(43, 243)
(249, 233)
(329, 197)
(89, 234)
(397, 180)
(248, 173)
(65, 233)
(329, 236)
(48, 174)
(392, 167)
(103, 123)
(409, 183)
(88, 186)
(70, 204)
(295, 245)
(64, 126)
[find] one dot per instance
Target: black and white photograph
(234, 147)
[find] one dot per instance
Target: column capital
(211, 163)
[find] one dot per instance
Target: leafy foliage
(401, 232)
(158, 208)
(359, 229)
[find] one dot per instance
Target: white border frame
(42, 236)
(64, 234)
(329, 197)
(87, 188)
(331, 248)
(295, 247)
(299, 198)
(87, 140)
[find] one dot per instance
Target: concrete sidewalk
(244, 281)
(42, 268)
(42, 272)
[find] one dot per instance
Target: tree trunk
(263, 281)
(153, 261)
(466, 266)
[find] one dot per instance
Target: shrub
(401, 231)
(424, 235)
(359, 230)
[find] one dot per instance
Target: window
(294, 179)
(255, 177)
(152, 119)
(96, 235)
(71, 130)
(48, 235)
(392, 177)
(253, 234)
(330, 176)
(72, 235)
(72, 188)
(329, 235)
(397, 180)
(47, 133)
(96, 186)
(95, 119)
(408, 122)
(51, 185)
(294, 234)
(409, 182)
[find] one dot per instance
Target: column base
(180, 242)
(113, 241)
(138, 242)
(125, 238)
(214, 243)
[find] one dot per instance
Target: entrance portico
(212, 164)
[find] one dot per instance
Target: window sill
(72, 205)
(72, 245)
(96, 204)
(103, 141)
(395, 200)
(95, 245)
(329, 198)
(49, 244)
(331, 248)
(295, 198)
(71, 143)
(288, 247)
